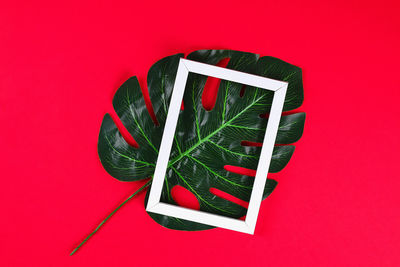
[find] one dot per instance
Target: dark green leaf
(205, 141)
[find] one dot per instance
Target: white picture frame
(248, 225)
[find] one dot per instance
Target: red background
(337, 202)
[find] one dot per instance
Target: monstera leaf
(205, 140)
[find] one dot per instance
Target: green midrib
(172, 162)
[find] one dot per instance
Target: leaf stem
(109, 216)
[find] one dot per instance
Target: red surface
(60, 64)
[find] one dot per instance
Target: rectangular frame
(248, 225)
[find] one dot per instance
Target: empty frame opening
(208, 157)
